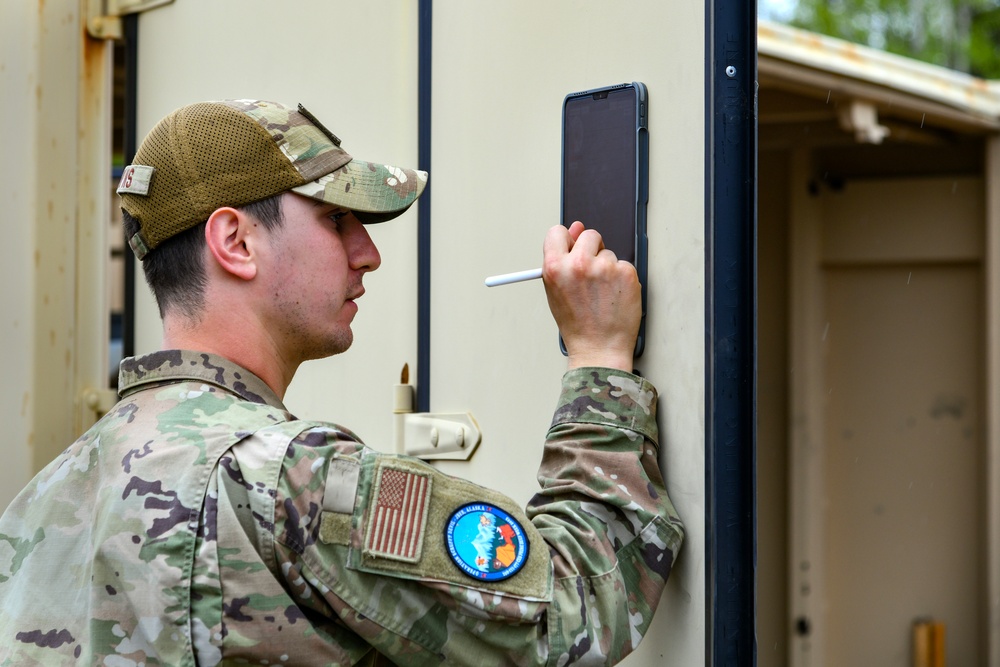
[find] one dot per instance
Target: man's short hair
(176, 271)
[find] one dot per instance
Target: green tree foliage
(960, 34)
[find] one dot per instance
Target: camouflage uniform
(201, 523)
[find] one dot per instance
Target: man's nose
(363, 254)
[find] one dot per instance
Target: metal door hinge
(104, 17)
(100, 401)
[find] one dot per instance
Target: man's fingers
(608, 255)
(575, 247)
(561, 240)
(588, 243)
(575, 230)
(558, 241)
(594, 297)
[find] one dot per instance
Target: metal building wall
(55, 85)
(500, 73)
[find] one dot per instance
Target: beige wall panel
(19, 83)
(56, 151)
(905, 516)
(898, 515)
(807, 398)
(904, 219)
(355, 66)
(772, 409)
(53, 326)
(991, 408)
(500, 73)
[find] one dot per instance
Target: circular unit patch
(485, 542)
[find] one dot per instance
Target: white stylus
(516, 277)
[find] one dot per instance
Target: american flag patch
(398, 515)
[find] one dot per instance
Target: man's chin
(331, 346)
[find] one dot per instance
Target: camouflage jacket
(200, 523)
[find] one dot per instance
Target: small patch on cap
(135, 180)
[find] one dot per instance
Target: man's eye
(337, 216)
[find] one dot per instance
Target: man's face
(315, 264)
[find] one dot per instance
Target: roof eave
(780, 46)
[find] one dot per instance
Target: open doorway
(872, 422)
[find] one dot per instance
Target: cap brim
(375, 192)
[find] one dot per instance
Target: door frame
(806, 475)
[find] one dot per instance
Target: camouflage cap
(230, 153)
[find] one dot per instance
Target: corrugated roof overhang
(816, 66)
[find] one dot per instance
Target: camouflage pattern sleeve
(200, 523)
(602, 536)
(604, 512)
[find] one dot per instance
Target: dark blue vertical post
(731, 345)
(423, 387)
(129, 145)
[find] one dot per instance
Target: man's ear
(227, 234)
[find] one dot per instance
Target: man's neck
(233, 342)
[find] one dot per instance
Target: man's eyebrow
(327, 205)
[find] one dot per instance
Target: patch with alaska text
(485, 542)
(398, 516)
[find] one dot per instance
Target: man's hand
(594, 297)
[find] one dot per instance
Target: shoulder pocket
(413, 522)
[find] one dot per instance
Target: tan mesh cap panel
(205, 156)
(213, 154)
